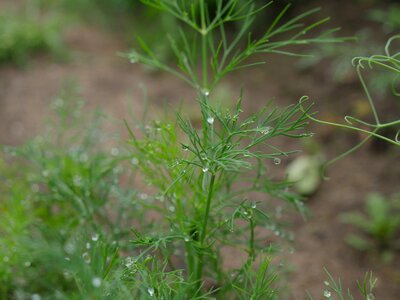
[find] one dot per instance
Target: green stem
(207, 212)
(251, 242)
(204, 231)
(204, 33)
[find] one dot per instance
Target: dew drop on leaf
(150, 290)
(277, 161)
(327, 294)
(36, 297)
(370, 296)
(96, 282)
(86, 257)
(95, 237)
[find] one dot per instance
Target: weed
(380, 225)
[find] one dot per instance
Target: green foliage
(389, 18)
(71, 230)
(389, 62)
(334, 287)
(206, 176)
(64, 213)
(26, 33)
(379, 225)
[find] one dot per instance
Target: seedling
(379, 225)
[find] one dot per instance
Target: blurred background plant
(333, 288)
(378, 225)
(64, 210)
(25, 31)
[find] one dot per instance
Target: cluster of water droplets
(266, 130)
(327, 294)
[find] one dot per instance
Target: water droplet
(254, 205)
(134, 161)
(86, 257)
(129, 262)
(326, 283)
(370, 296)
(327, 294)
(171, 208)
(185, 147)
(67, 275)
(36, 297)
(96, 282)
(206, 93)
(266, 130)
(67, 258)
(150, 290)
(205, 170)
(88, 245)
(114, 151)
(186, 239)
(210, 120)
(95, 237)
(277, 161)
(27, 264)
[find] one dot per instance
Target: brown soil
(108, 82)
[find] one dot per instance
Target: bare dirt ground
(108, 81)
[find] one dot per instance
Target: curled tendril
(389, 43)
(391, 63)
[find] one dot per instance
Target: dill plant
(207, 176)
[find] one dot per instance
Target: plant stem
(207, 212)
(204, 33)
(251, 242)
(204, 230)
